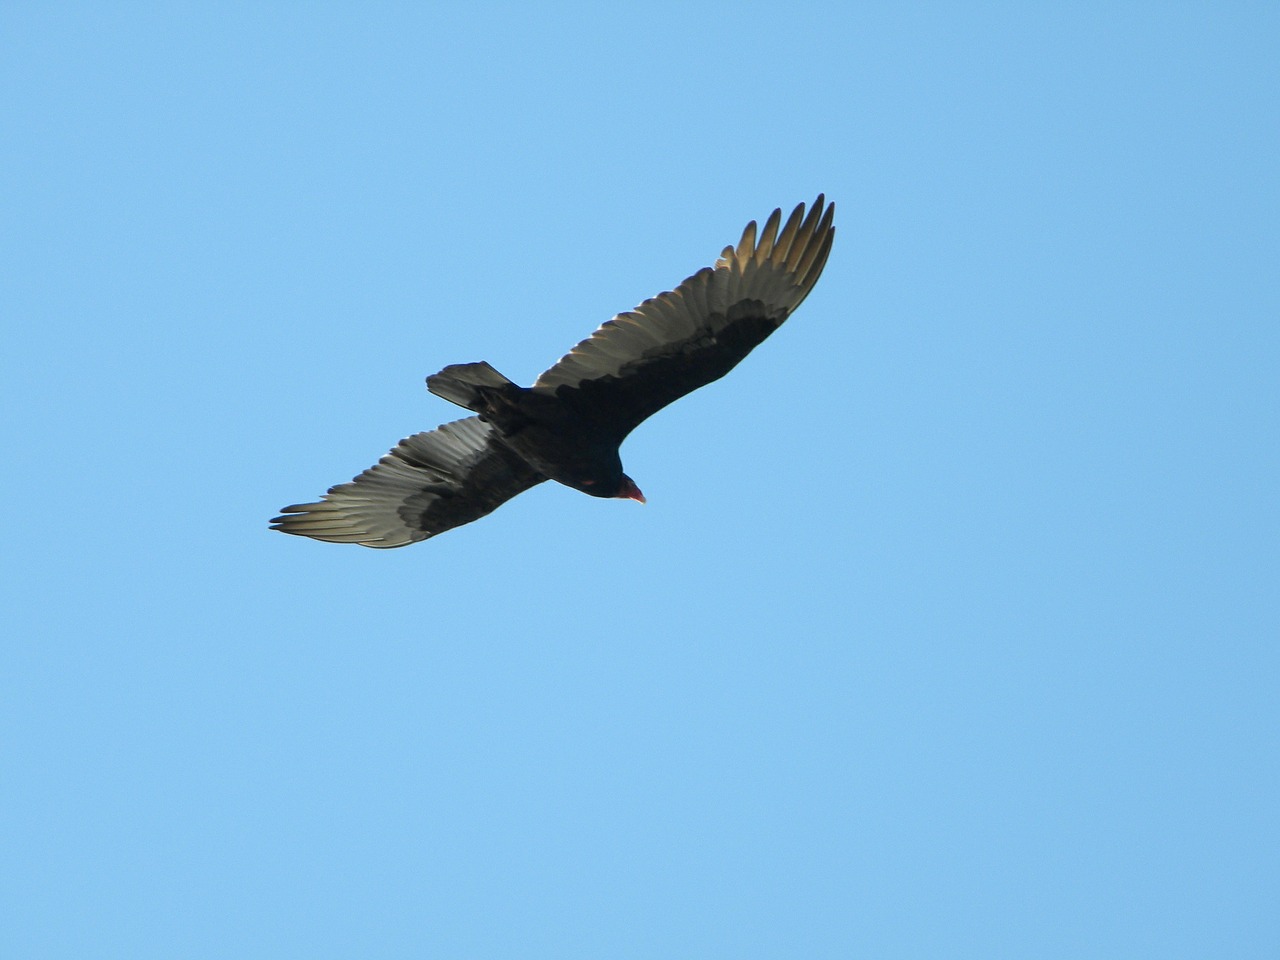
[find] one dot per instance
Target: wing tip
(805, 232)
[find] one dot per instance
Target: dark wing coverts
(640, 361)
(431, 482)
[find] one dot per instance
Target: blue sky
(949, 628)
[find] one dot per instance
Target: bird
(568, 426)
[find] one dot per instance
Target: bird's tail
(465, 384)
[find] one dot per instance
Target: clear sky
(949, 629)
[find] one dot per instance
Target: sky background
(949, 629)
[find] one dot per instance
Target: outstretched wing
(431, 482)
(638, 362)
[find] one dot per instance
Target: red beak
(629, 490)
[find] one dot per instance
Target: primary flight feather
(569, 424)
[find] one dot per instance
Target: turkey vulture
(569, 424)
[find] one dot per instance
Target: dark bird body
(569, 425)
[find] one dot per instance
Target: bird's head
(618, 487)
(629, 491)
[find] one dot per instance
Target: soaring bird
(569, 425)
